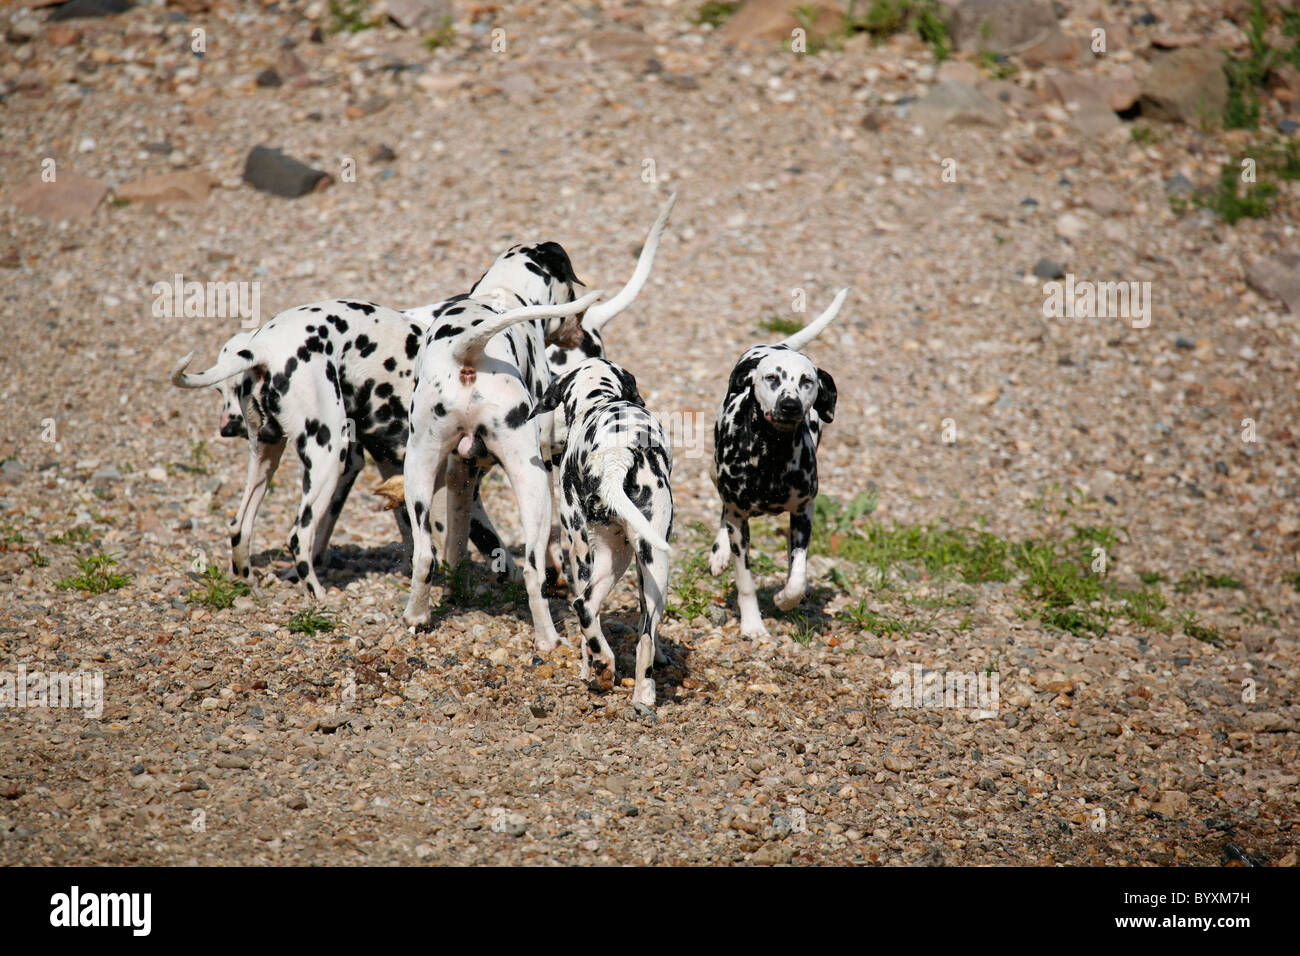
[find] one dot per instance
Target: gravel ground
(226, 738)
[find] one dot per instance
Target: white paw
(414, 618)
(787, 600)
(718, 561)
(545, 643)
(644, 696)
(754, 629)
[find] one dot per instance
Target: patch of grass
(80, 534)
(1195, 629)
(1143, 134)
(714, 13)
(1295, 581)
(96, 576)
(11, 536)
(441, 37)
(801, 630)
(219, 591)
(39, 560)
(997, 65)
(1234, 200)
(1247, 75)
(351, 16)
(971, 555)
(1200, 581)
(884, 18)
(782, 327)
(692, 586)
(311, 621)
(862, 616)
(837, 518)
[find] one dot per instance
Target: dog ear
(630, 392)
(552, 397)
(826, 396)
(739, 381)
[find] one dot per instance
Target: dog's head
(594, 383)
(785, 385)
(538, 274)
(232, 413)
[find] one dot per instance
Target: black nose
(234, 429)
(789, 407)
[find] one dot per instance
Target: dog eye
(772, 379)
(805, 382)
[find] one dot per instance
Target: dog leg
(321, 469)
(796, 582)
(607, 555)
(426, 456)
(459, 496)
(386, 471)
(485, 538)
(355, 461)
(652, 576)
(263, 459)
(751, 621)
(721, 553)
(517, 452)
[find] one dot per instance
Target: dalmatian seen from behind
(617, 504)
(765, 458)
(472, 397)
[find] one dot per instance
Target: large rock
(1186, 86)
(70, 197)
(273, 172)
(419, 14)
(955, 104)
(88, 8)
(1002, 26)
(1118, 91)
(190, 185)
(1277, 277)
(773, 21)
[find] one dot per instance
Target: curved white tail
(817, 326)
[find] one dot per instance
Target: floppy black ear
(739, 380)
(552, 397)
(628, 381)
(826, 396)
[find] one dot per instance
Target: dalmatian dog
(765, 458)
(333, 378)
(471, 397)
(617, 503)
(537, 274)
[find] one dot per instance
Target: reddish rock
(70, 197)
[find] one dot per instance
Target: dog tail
(613, 472)
(598, 315)
(218, 373)
(818, 325)
(468, 345)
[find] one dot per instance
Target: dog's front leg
(721, 552)
(751, 621)
(796, 581)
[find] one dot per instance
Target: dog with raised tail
(617, 503)
(765, 458)
(471, 397)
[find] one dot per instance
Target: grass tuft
(96, 576)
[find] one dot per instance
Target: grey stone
(273, 172)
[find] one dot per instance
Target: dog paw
(414, 618)
(788, 601)
(646, 709)
(755, 630)
(545, 643)
(719, 558)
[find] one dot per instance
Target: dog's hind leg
(751, 620)
(263, 459)
(355, 461)
(426, 457)
(319, 447)
(796, 581)
(602, 557)
(652, 576)
(517, 450)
